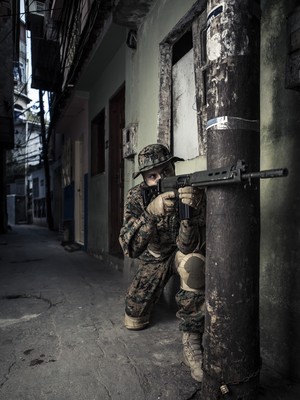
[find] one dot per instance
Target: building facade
(9, 52)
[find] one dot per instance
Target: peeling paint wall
(280, 199)
(143, 79)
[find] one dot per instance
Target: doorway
(116, 170)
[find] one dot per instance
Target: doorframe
(79, 187)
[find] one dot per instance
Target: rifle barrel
(269, 173)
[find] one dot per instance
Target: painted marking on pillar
(222, 41)
(214, 13)
(225, 122)
(214, 47)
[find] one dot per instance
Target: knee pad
(191, 269)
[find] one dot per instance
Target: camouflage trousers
(147, 287)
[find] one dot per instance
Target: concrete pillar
(231, 341)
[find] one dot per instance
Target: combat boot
(136, 323)
(192, 354)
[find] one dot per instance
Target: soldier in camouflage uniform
(165, 245)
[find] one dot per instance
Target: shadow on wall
(280, 199)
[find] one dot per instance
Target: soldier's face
(152, 176)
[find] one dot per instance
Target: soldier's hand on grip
(162, 205)
(191, 196)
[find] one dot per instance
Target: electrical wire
(23, 160)
(20, 92)
(72, 36)
(84, 40)
(28, 12)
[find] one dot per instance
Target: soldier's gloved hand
(162, 205)
(191, 196)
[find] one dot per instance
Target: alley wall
(104, 87)
(280, 214)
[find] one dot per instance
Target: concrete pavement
(62, 334)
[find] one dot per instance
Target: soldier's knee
(191, 269)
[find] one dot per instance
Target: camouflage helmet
(152, 156)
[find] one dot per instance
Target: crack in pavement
(28, 296)
(26, 260)
(5, 322)
(142, 378)
(58, 337)
(6, 376)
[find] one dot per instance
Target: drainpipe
(231, 360)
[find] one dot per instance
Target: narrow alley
(62, 334)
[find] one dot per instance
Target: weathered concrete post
(231, 341)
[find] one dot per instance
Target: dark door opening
(116, 170)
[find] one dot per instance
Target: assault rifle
(237, 173)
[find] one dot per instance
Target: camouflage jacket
(153, 239)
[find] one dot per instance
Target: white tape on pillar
(222, 123)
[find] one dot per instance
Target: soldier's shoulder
(134, 198)
(134, 194)
(135, 190)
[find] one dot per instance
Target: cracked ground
(62, 334)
